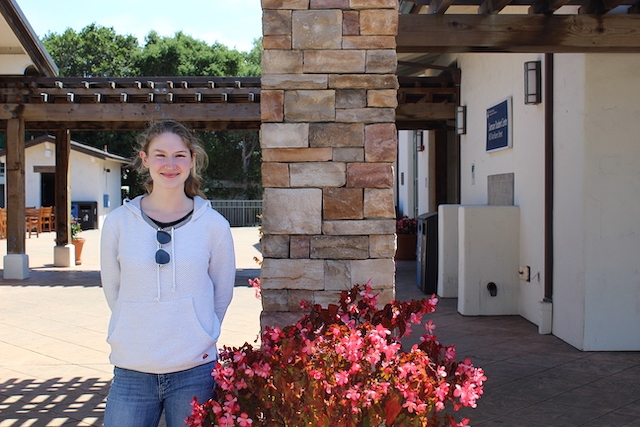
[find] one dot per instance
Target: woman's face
(169, 161)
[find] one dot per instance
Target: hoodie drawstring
(173, 266)
(158, 277)
(173, 260)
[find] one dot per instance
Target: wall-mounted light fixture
(419, 140)
(532, 82)
(461, 119)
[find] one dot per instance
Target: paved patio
(54, 368)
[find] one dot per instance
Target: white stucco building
(95, 177)
(581, 280)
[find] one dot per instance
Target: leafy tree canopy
(95, 51)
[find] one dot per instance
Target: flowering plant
(76, 228)
(343, 366)
(406, 225)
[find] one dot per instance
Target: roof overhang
(20, 47)
(75, 146)
(522, 26)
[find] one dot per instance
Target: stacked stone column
(329, 141)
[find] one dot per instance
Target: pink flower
(342, 377)
(256, 285)
(274, 334)
(353, 394)
(346, 363)
(262, 370)
(450, 354)
(430, 327)
(244, 420)
(316, 375)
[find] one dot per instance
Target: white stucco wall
(486, 80)
(404, 173)
(596, 295)
(597, 200)
(90, 181)
(612, 202)
(488, 253)
(569, 238)
(14, 64)
(418, 173)
(426, 174)
(88, 177)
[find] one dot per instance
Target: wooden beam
(63, 187)
(44, 169)
(114, 93)
(599, 6)
(132, 112)
(140, 125)
(546, 6)
(15, 175)
(492, 6)
(425, 112)
(519, 33)
(424, 125)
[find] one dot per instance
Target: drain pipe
(548, 177)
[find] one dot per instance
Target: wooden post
(16, 262)
(15, 186)
(62, 188)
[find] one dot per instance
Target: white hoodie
(166, 318)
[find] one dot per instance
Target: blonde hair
(155, 129)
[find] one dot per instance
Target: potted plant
(406, 231)
(343, 365)
(78, 242)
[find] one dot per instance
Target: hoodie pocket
(154, 336)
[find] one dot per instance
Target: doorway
(47, 189)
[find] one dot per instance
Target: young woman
(168, 271)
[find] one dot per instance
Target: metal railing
(239, 213)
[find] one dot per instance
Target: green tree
(95, 51)
(182, 55)
(251, 65)
(234, 164)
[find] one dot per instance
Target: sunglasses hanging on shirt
(162, 256)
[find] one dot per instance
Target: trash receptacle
(87, 214)
(427, 253)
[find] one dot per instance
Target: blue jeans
(137, 399)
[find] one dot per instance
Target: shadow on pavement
(54, 402)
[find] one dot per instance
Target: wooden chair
(32, 221)
(47, 222)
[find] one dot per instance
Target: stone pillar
(329, 141)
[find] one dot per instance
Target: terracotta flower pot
(406, 250)
(78, 243)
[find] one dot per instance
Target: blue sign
(499, 125)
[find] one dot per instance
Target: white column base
(64, 256)
(546, 318)
(16, 266)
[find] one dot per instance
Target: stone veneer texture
(328, 135)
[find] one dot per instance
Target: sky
(234, 23)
